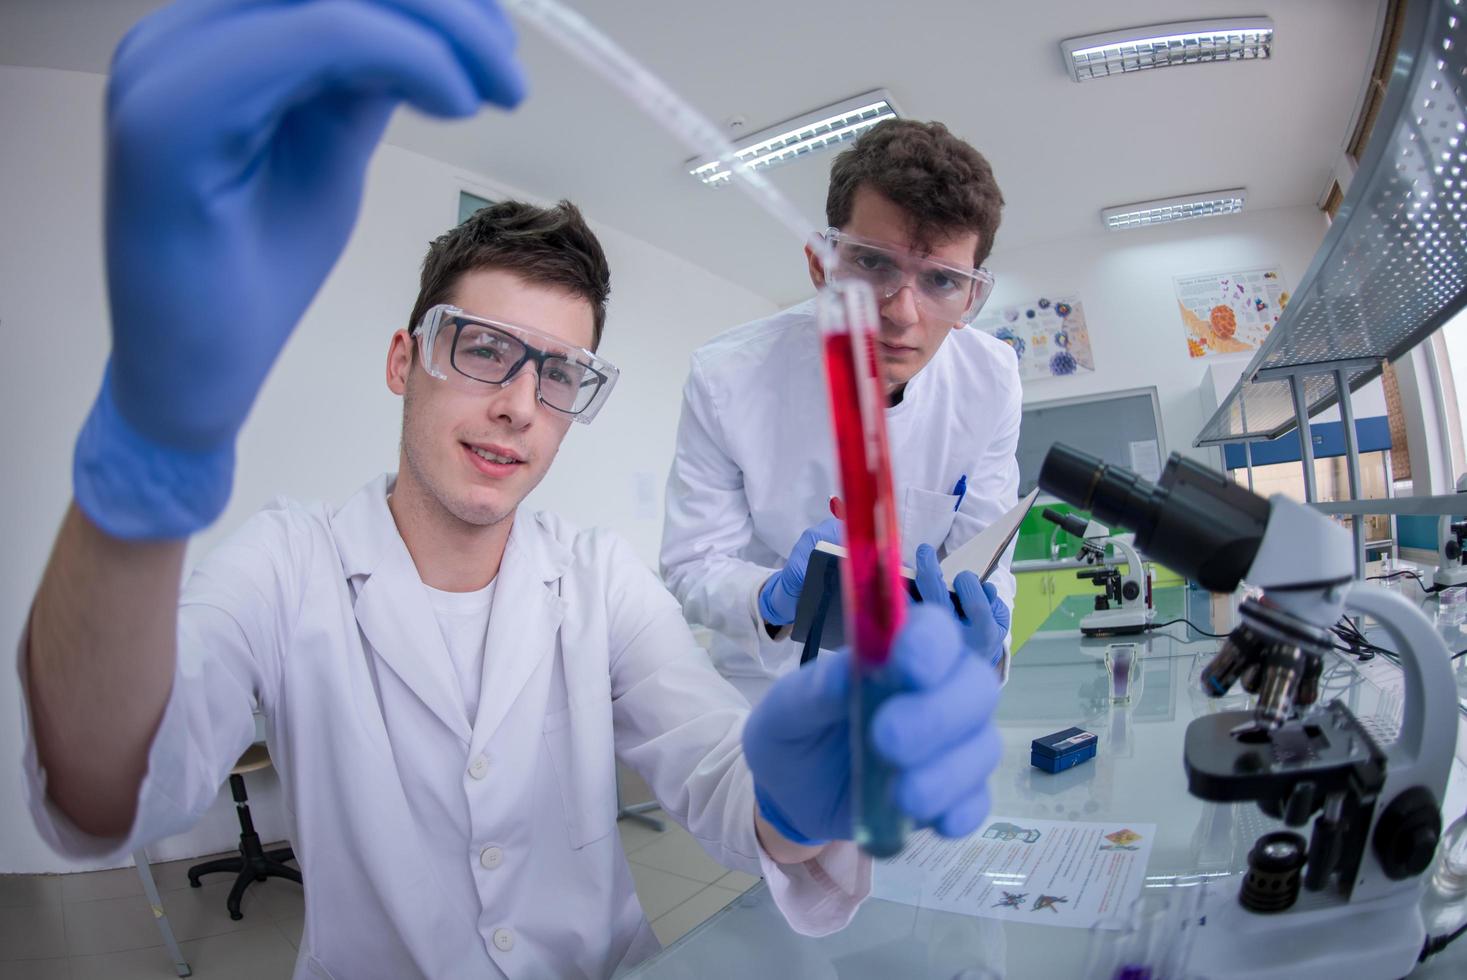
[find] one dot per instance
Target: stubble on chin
(435, 496)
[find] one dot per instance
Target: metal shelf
(1448, 504)
(1393, 266)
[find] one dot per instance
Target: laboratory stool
(254, 862)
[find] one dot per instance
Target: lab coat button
(491, 857)
(504, 939)
(479, 767)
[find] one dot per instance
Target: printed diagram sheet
(1045, 872)
(1146, 459)
(1226, 313)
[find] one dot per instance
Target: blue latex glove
(938, 732)
(985, 616)
(780, 594)
(238, 136)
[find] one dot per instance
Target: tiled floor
(98, 925)
(678, 884)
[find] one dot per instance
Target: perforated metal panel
(1393, 267)
(1385, 731)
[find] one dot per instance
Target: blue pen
(961, 490)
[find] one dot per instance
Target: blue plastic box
(1062, 750)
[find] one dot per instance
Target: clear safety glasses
(951, 292)
(470, 350)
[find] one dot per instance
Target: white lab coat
(430, 847)
(754, 468)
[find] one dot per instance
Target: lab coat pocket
(585, 767)
(927, 517)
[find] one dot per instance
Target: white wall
(325, 422)
(1124, 280)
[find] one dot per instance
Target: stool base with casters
(254, 862)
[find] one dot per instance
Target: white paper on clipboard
(982, 553)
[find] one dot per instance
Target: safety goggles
(953, 293)
(471, 350)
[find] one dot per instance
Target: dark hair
(546, 246)
(942, 182)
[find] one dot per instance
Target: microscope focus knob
(1273, 878)
(1452, 549)
(1131, 590)
(1407, 833)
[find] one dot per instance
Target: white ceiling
(990, 70)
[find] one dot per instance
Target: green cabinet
(1031, 605)
(1040, 593)
(1163, 577)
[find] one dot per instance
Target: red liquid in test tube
(871, 584)
(874, 600)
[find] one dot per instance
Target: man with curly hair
(912, 210)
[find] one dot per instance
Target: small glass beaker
(1451, 606)
(1121, 663)
(1387, 575)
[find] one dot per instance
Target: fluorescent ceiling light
(797, 137)
(1166, 45)
(1146, 213)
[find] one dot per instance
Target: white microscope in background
(1451, 542)
(1125, 604)
(1343, 901)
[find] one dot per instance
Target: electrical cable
(1351, 634)
(1435, 944)
(1184, 619)
(1355, 641)
(1406, 573)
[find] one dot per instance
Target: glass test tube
(871, 589)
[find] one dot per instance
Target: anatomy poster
(1048, 334)
(1039, 872)
(1230, 313)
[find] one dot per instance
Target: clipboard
(820, 616)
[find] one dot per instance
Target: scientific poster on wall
(1049, 334)
(1230, 313)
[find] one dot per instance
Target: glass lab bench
(1059, 679)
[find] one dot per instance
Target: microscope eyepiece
(1067, 522)
(1114, 495)
(1194, 521)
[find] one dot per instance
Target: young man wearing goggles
(913, 211)
(446, 682)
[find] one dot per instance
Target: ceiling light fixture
(798, 137)
(1143, 214)
(1167, 45)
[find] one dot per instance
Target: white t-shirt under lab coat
(434, 846)
(463, 619)
(754, 468)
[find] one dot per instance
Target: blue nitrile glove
(238, 136)
(985, 616)
(938, 732)
(780, 594)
